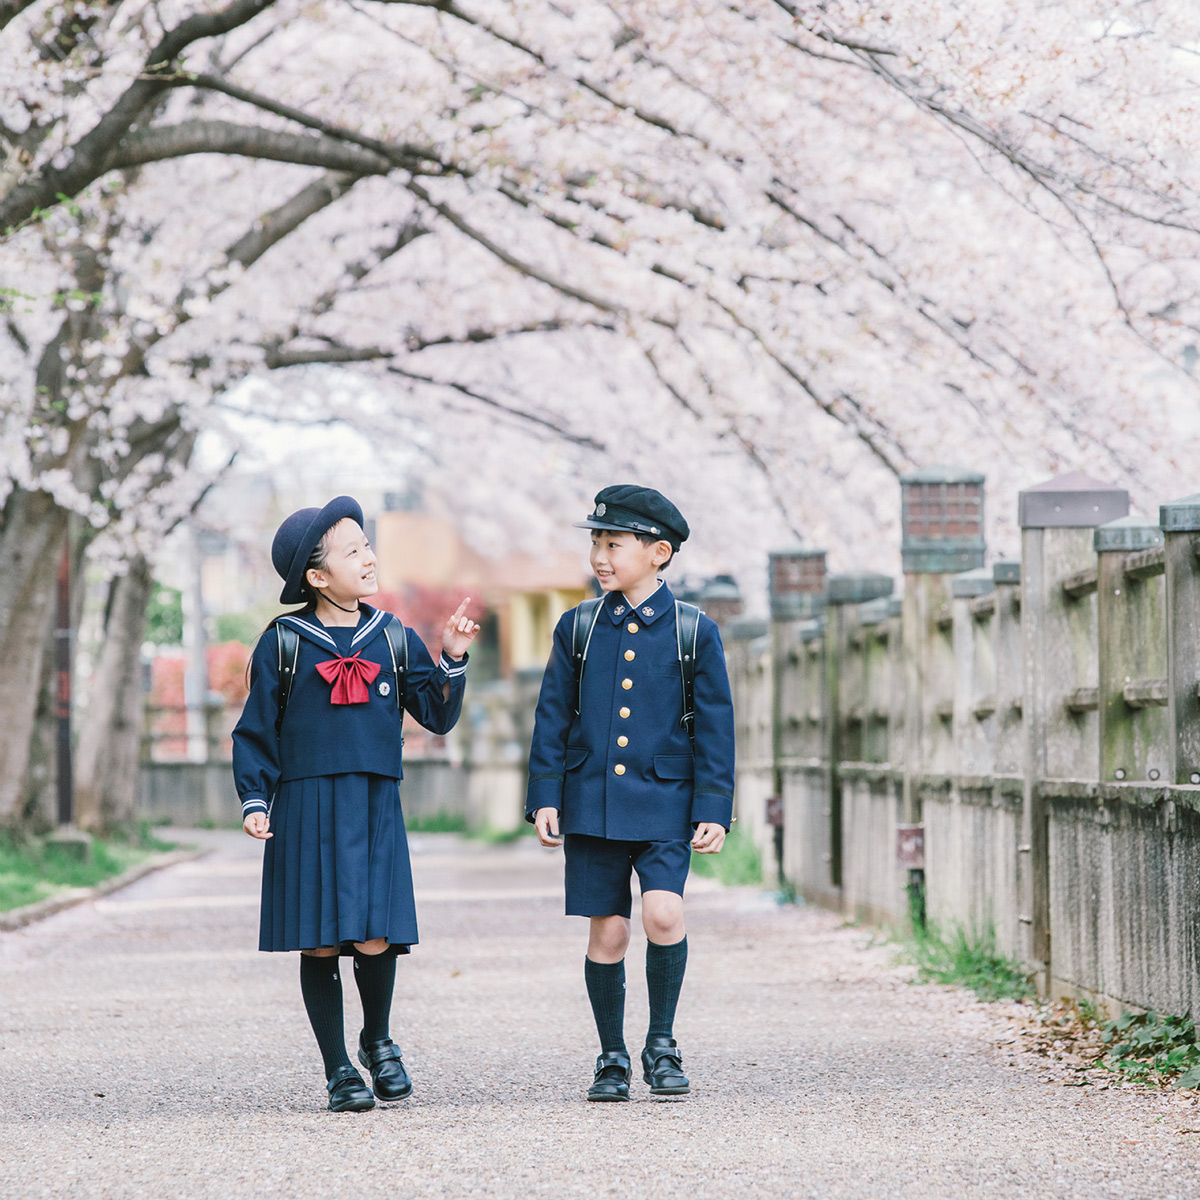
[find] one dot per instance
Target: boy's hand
(708, 838)
(459, 632)
(545, 821)
(258, 826)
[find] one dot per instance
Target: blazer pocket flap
(674, 766)
(576, 756)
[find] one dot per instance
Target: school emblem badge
(385, 688)
(601, 509)
(647, 611)
(619, 610)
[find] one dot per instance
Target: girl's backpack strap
(397, 641)
(288, 642)
(687, 632)
(581, 637)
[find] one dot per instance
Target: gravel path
(146, 1049)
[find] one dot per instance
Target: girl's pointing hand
(459, 632)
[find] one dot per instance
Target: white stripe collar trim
(370, 625)
(317, 631)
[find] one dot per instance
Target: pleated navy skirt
(337, 869)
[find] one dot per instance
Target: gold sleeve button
(619, 769)
(630, 656)
(624, 712)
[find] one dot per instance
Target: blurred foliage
(739, 863)
(164, 616)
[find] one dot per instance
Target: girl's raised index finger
(462, 608)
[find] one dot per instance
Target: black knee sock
(664, 977)
(606, 991)
(321, 987)
(375, 975)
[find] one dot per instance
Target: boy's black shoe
(662, 1068)
(347, 1092)
(612, 1076)
(388, 1076)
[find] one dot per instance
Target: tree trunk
(38, 803)
(32, 536)
(106, 768)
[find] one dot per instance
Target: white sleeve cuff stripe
(451, 667)
(253, 802)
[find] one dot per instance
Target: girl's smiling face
(349, 570)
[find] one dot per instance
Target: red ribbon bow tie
(349, 677)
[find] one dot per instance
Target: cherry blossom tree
(769, 254)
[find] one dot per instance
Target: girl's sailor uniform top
(321, 737)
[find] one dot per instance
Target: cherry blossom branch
(86, 160)
(249, 141)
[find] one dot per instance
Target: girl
(316, 766)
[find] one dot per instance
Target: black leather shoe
(612, 1076)
(662, 1068)
(347, 1092)
(388, 1076)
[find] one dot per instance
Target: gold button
(630, 656)
(627, 684)
(624, 712)
(622, 740)
(619, 769)
(632, 627)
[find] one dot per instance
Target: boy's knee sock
(664, 978)
(375, 975)
(321, 987)
(606, 991)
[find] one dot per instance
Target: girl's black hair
(316, 562)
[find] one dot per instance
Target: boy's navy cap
(297, 538)
(638, 509)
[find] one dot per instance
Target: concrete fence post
(801, 724)
(1180, 523)
(846, 665)
(1058, 630)
(942, 526)
(1132, 645)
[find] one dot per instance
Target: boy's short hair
(648, 539)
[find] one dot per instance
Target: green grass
(438, 822)
(966, 961)
(31, 871)
(503, 837)
(738, 865)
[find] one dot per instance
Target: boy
(617, 775)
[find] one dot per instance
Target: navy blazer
(320, 738)
(624, 768)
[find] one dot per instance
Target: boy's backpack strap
(687, 632)
(397, 641)
(581, 637)
(288, 643)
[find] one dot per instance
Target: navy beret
(639, 510)
(297, 538)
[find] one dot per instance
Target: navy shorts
(598, 872)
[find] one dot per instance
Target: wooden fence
(1016, 746)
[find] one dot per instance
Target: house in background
(425, 565)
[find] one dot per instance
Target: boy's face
(621, 563)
